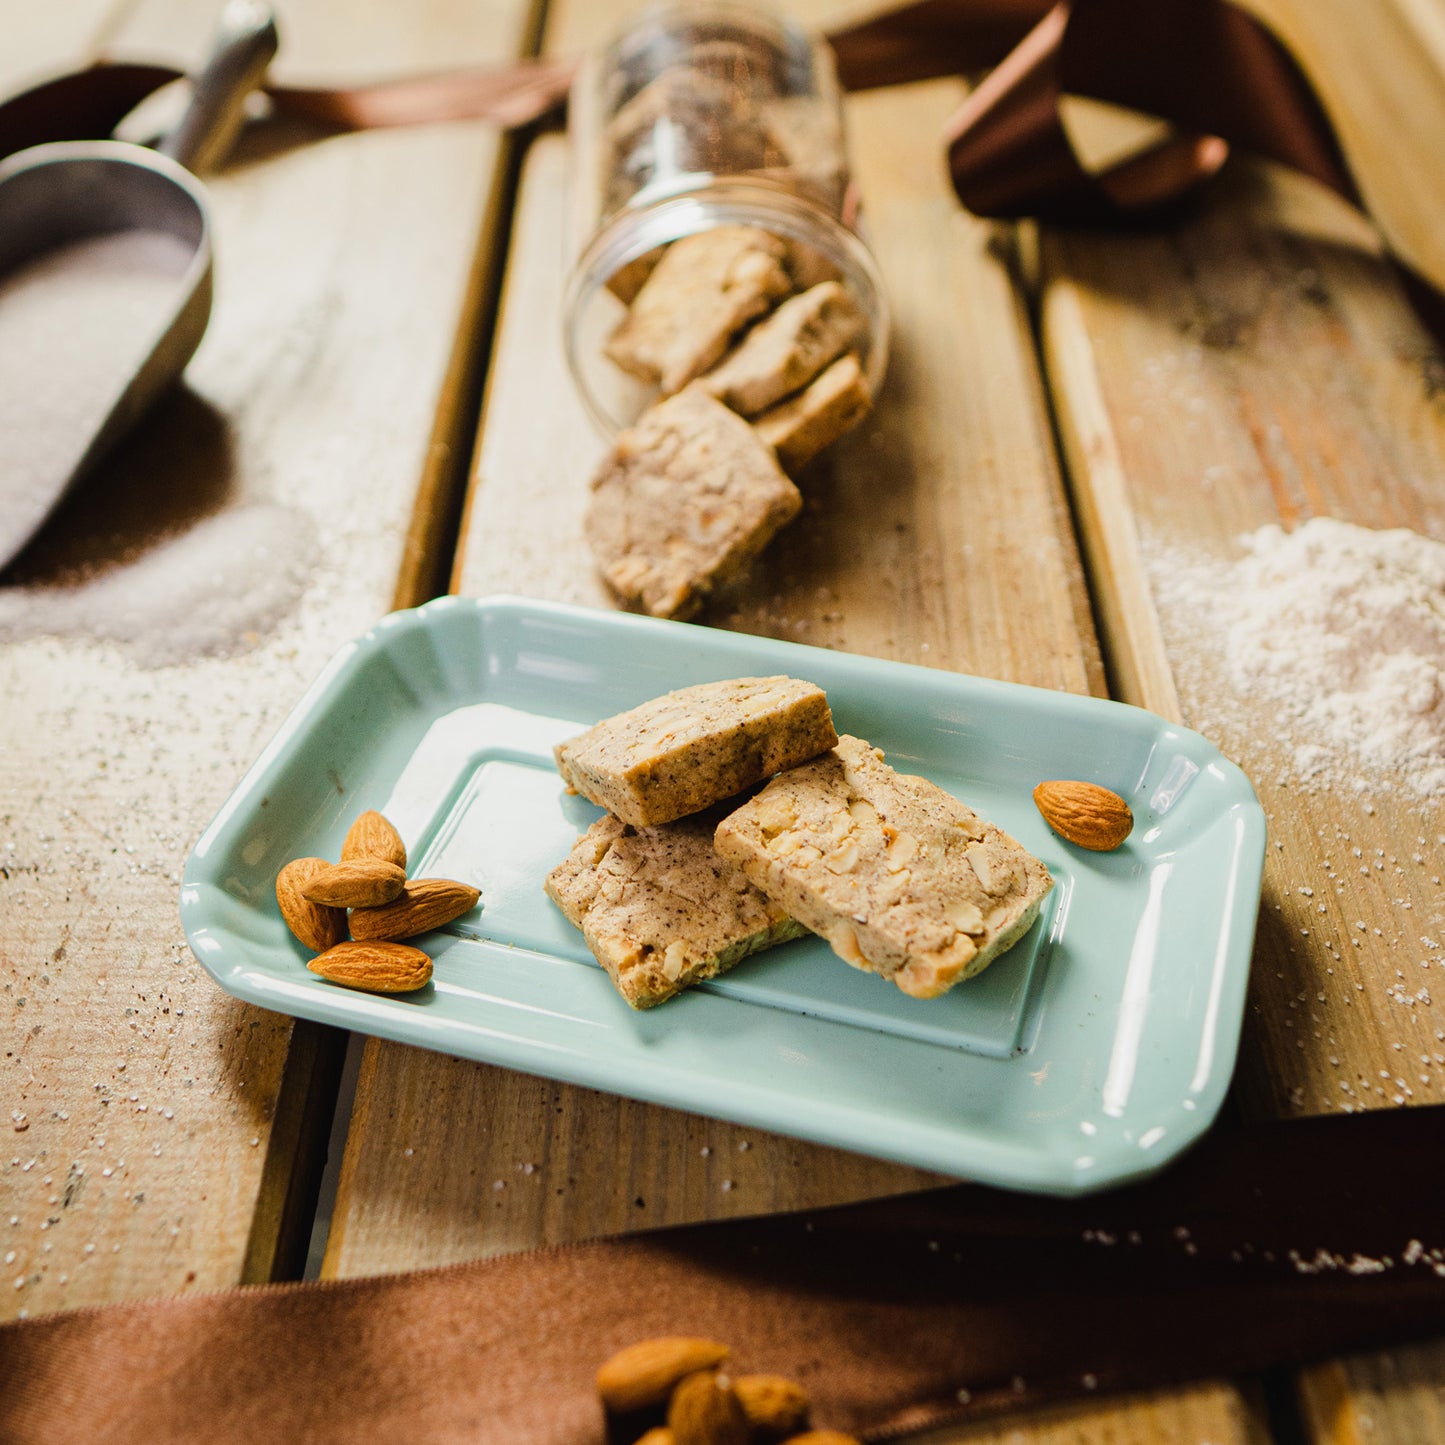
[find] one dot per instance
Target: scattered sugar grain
(210, 591)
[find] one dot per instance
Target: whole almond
(1085, 814)
(375, 967)
(372, 836)
(317, 925)
(775, 1406)
(360, 883)
(645, 1373)
(658, 1435)
(705, 1410)
(423, 904)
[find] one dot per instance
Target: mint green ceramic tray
(1091, 1053)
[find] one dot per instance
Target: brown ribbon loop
(88, 104)
(1264, 1246)
(1010, 154)
(1202, 64)
(512, 95)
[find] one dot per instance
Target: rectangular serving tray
(1091, 1053)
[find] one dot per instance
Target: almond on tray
(361, 948)
(374, 967)
(422, 905)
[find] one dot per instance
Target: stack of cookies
(758, 373)
(694, 868)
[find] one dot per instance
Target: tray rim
(1005, 1164)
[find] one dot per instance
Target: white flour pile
(1342, 629)
(213, 590)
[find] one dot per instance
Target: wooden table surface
(384, 361)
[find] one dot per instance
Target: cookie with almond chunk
(686, 498)
(901, 878)
(703, 291)
(659, 908)
(802, 426)
(786, 350)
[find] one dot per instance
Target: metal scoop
(105, 280)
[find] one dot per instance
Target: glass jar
(701, 114)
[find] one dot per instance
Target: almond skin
(658, 1435)
(423, 904)
(705, 1410)
(375, 967)
(644, 1374)
(318, 926)
(1085, 814)
(774, 1405)
(361, 883)
(823, 1437)
(372, 836)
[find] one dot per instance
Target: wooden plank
(1205, 1415)
(157, 1122)
(1259, 364)
(1377, 71)
(1194, 409)
(448, 1160)
(42, 41)
(1378, 1399)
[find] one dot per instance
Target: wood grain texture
(1397, 1398)
(153, 1134)
(1377, 70)
(1203, 1415)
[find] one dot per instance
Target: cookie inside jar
(717, 238)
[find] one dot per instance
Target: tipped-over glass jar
(701, 115)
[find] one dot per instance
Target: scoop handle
(243, 48)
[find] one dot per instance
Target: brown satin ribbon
(1204, 65)
(1265, 1246)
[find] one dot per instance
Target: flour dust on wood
(1334, 632)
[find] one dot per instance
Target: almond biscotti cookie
(800, 427)
(682, 752)
(901, 878)
(687, 497)
(702, 292)
(787, 350)
(659, 908)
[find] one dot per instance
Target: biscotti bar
(659, 908)
(683, 502)
(901, 878)
(800, 427)
(787, 349)
(699, 296)
(688, 749)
